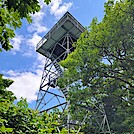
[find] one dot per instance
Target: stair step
(65, 92)
(57, 66)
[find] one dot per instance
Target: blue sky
(23, 64)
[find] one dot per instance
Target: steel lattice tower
(55, 46)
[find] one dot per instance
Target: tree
(19, 119)
(12, 12)
(101, 67)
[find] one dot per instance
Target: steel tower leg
(95, 115)
(49, 95)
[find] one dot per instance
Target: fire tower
(55, 46)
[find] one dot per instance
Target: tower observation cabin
(55, 46)
(57, 43)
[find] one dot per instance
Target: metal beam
(53, 107)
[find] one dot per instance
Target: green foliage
(101, 68)
(4, 94)
(47, 1)
(19, 119)
(11, 14)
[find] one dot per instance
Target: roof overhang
(66, 25)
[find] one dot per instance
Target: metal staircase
(57, 67)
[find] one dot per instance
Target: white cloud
(12, 73)
(37, 24)
(41, 59)
(25, 84)
(27, 53)
(16, 42)
(34, 40)
(40, 62)
(57, 8)
(37, 27)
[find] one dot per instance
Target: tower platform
(57, 43)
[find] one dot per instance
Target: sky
(23, 64)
